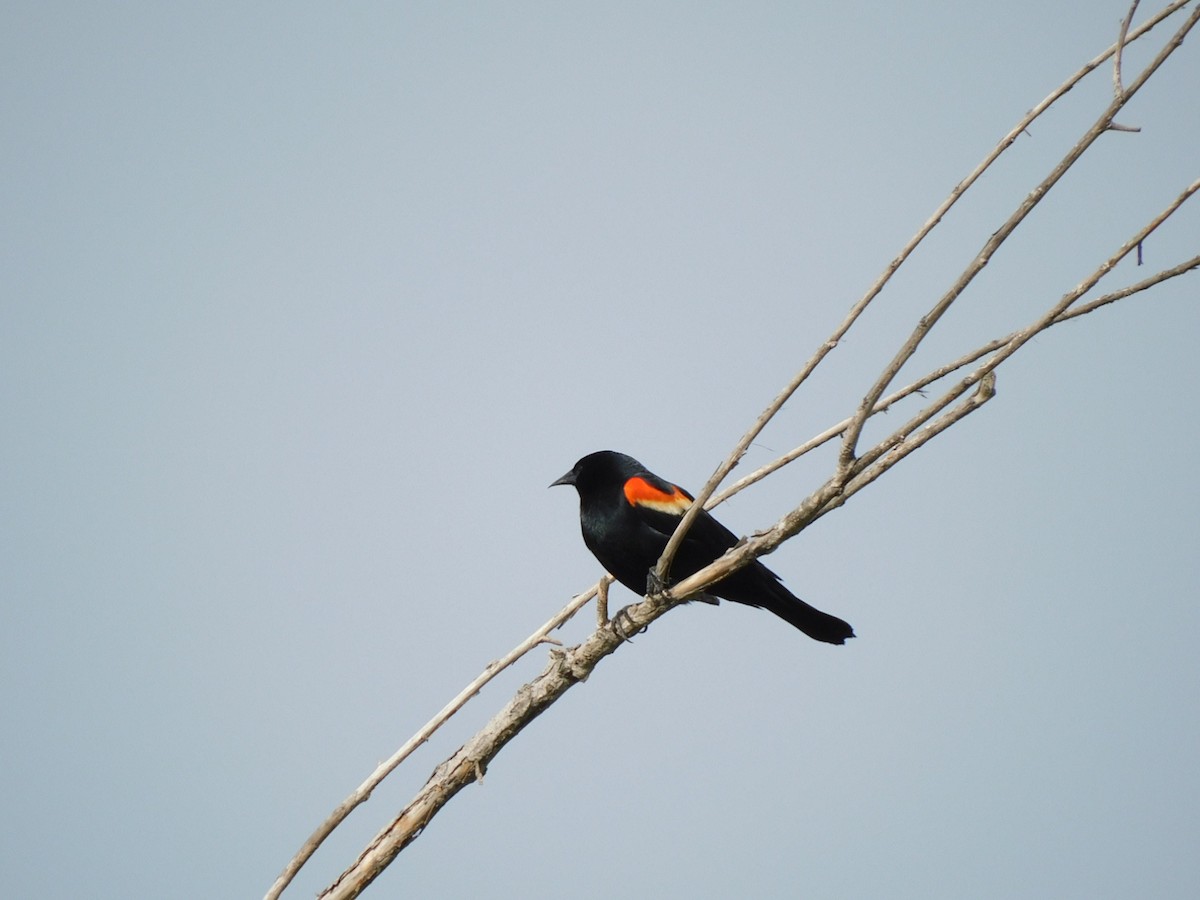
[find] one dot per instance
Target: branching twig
(927, 423)
(941, 372)
(662, 569)
(363, 791)
(1018, 339)
(854, 471)
(568, 667)
(926, 323)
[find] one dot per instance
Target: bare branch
(1121, 38)
(834, 431)
(985, 392)
(926, 424)
(602, 600)
(662, 570)
(567, 666)
(1166, 274)
(926, 323)
(1055, 314)
(1066, 314)
(570, 666)
(364, 790)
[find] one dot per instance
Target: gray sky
(305, 304)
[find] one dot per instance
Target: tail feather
(760, 587)
(820, 626)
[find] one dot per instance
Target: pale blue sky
(305, 304)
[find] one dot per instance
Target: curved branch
(571, 665)
(993, 243)
(363, 792)
(662, 569)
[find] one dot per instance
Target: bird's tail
(820, 626)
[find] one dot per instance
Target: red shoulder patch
(640, 492)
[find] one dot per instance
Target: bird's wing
(660, 505)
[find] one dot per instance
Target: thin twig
(1166, 274)
(364, 790)
(939, 373)
(835, 430)
(1071, 311)
(926, 323)
(662, 569)
(1020, 338)
(570, 665)
(983, 393)
(1121, 38)
(922, 427)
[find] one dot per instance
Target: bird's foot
(623, 626)
(654, 584)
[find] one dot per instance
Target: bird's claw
(626, 629)
(654, 584)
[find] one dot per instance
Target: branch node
(567, 664)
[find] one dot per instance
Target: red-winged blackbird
(628, 514)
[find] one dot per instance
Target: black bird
(628, 514)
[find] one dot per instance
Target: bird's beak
(569, 478)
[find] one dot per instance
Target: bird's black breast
(622, 542)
